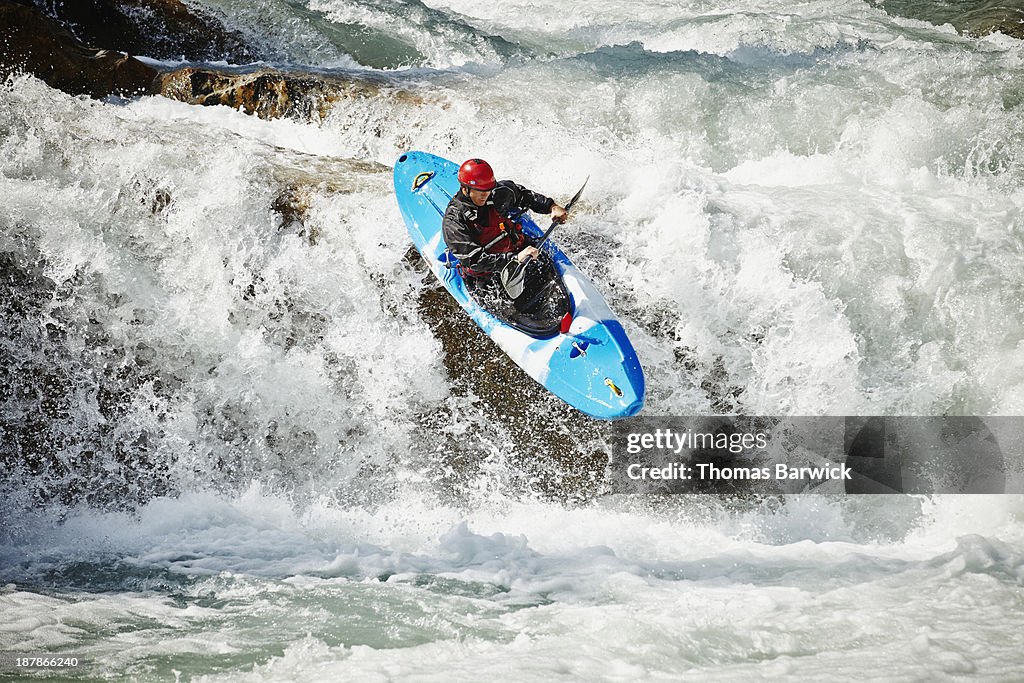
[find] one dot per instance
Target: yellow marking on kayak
(421, 179)
(611, 385)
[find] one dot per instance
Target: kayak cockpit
(539, 310)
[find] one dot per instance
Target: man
(478, 224)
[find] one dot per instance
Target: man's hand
(559, 214)
(526, 254)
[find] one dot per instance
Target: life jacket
(496, 234)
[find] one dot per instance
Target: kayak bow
(589, 362)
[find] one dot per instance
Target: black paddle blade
(577, 195)
(513, 276)
(547, 233)
(513, 279)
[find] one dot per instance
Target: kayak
(584, 357)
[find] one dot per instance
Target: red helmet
(477, 174)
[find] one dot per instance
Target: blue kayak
(591, 366)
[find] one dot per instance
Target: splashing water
(243, 439)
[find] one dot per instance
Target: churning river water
(245, 451)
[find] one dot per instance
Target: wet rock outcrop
(969, 18)
(62, 432)
(58, 47)
(271, 93)
(1008, 20)
(161, 29)
(32, 42)
(266, 93)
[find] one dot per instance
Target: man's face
(479, 197)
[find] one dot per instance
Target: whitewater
(246, 438)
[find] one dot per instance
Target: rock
(161, 29)
(33, 43)
(1009, 21)
(54, 355)
(972, 19)
(292, 205)
(550, 445)
(270, 93)
(266, 93)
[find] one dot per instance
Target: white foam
(826, 206)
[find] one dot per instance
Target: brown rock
(1009, 21)
(162, 29)
(267, 93)
(272, 93)
(548, 451)
(33, 43)
(969, 18)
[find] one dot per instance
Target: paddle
(513, 276)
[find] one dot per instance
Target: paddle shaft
(512, 276)
(555, 224)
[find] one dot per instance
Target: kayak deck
(539, 310)
(592, 366)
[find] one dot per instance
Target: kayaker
(479, 224)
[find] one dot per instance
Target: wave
(782, 231)
(245, 434)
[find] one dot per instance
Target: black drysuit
(464, 223)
